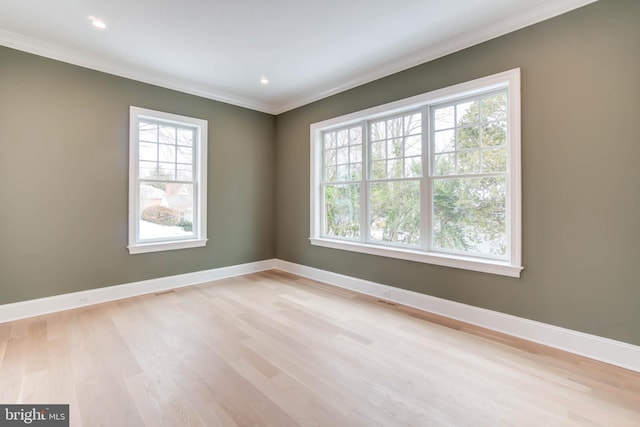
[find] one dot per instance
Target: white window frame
(512, 265)
(199, 238)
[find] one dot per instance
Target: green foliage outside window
(469, 213)
(342, 210)
(469, 162)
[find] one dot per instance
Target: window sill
(502, 268)
(166, 246)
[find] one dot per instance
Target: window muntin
(441, 182)
(167, 181)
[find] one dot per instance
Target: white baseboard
(37, 307)
(591, 346)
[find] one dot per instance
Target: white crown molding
(549, 10)
(472, 38)
(594, 347)
(82, 59)
(40, 306)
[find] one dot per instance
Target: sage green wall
(580, 163)
(63, 180)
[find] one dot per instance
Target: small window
(434, 178)
(167, 181)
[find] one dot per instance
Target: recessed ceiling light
(264, 80)
(98, 23)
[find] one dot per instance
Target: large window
(167, 181)
(433, 178)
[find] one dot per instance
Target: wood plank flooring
(272, 349)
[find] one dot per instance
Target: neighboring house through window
(433, 178)
(167, 181)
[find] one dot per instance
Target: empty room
(368, 213)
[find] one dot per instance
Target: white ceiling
(220, 49)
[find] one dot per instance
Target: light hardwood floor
(272, 349)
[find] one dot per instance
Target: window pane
(395, 212)
(413, 124)
(167, 153)
(343, 173)
(185, 155)
(166, 210)
(330, 140)
(343, 155)
(444, 117)
(185, 172)
(378, 150)
(356, 172)
(379, 170)
(468, 112)
(445, 141)
(356, 154)
(167, 135)
(495, 107)
(148, 132)
(413, 167)
(355, 136)
(468, 137)
(474, 134)
(148, 170)
(394, 148)
(469, 162)
(330, 157)
(413, 146)
(378, 131)
(167, 171)
(330, 174)
(148, 151)
(185, 137)
(342, 210)
(494, 160)
(342, 138)
(469, 215)
(445, 164)
(395, 128)
(394, 169)
(494, 134)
